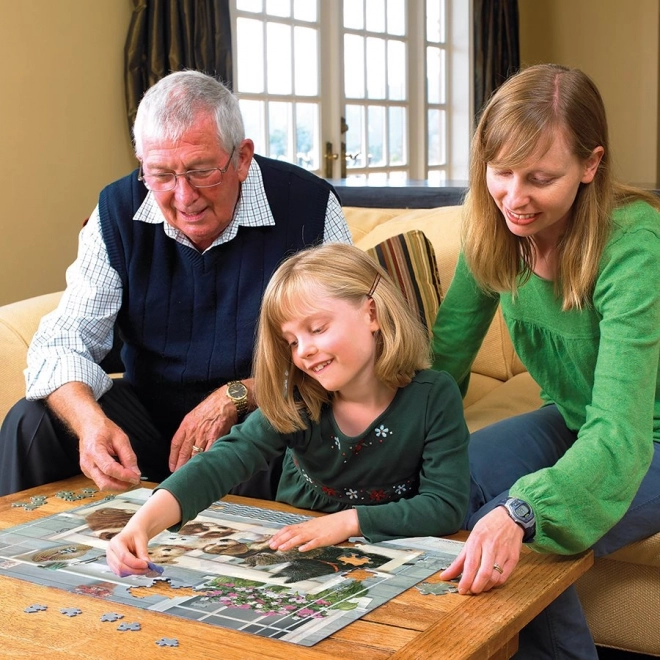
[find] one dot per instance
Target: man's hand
(106, 455)
(318, 532)
(495, 540)
(203, 425)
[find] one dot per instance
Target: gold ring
(196, 450)
(498, 568)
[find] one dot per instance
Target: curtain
(496, 46)
(171, 35)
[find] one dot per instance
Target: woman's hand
(318, 532)
(495, 541)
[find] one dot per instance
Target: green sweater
(406, 475)
(598, 365)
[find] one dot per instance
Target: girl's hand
(127, 553)
(495, 540)
(318, 532)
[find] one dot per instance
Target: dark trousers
(502, 453)
(36, 448)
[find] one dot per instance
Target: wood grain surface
(410, 626)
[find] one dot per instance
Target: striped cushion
(409, 259)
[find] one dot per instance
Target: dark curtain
(171, 35)
(496, 46)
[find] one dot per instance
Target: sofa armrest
(18, 323)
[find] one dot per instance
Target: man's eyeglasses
(166, 181)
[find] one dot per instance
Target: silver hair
(175, 103)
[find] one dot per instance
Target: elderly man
(175, 258)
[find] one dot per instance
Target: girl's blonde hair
(286, 395)
(523, 117)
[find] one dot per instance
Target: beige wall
(616, 43)
(63, 131)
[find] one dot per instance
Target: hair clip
(373, 286)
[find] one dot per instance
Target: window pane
(376, 135)
(278, 7)
(305, 60)
(353, 66)
(354, 14)
(307, 135)
(436, 177)
(249, 5)
(253, 118)
(304, 10)
(436, 128)
(354, 136)
(375, 68)
(396, 17)
(435, 21)
(250, 55)
(279, 58)
(397, 130)
(279, 119)
(396, 70)
(398, 177)
(376, 15)
(435, 71)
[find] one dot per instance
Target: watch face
(236, 390)
(522, 509)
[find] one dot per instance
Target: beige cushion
(441, 226)
(18, 322)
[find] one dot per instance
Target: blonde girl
(372, 436)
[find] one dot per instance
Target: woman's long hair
(523, 117)
(286, 395)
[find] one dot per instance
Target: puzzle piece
(111, 616)
(70, 611)
(35, 608)
(129, 626)
(167, 641)
(154, 568)
(437, 589)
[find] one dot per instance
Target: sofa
(620, 594)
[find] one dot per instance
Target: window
(376, 89)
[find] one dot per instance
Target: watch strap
(241, 403)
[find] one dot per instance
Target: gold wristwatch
(238, 393)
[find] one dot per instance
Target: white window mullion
(331, 75)
(460, 73)
(417, 133)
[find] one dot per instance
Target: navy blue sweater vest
(188, 320)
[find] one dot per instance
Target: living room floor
(613, 654)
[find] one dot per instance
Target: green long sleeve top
(599, 365)
(407, 474)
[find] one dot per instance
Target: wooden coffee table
(409, 626)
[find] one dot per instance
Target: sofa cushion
(410, 261)
(441, 226)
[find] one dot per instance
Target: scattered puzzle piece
(111, 616)
(35, 608)
(129, 626)
(437, 589)
(167, 641)
(70, 611)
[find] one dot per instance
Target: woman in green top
(371, 435)
(573, 259)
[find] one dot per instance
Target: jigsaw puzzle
(219, 569)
